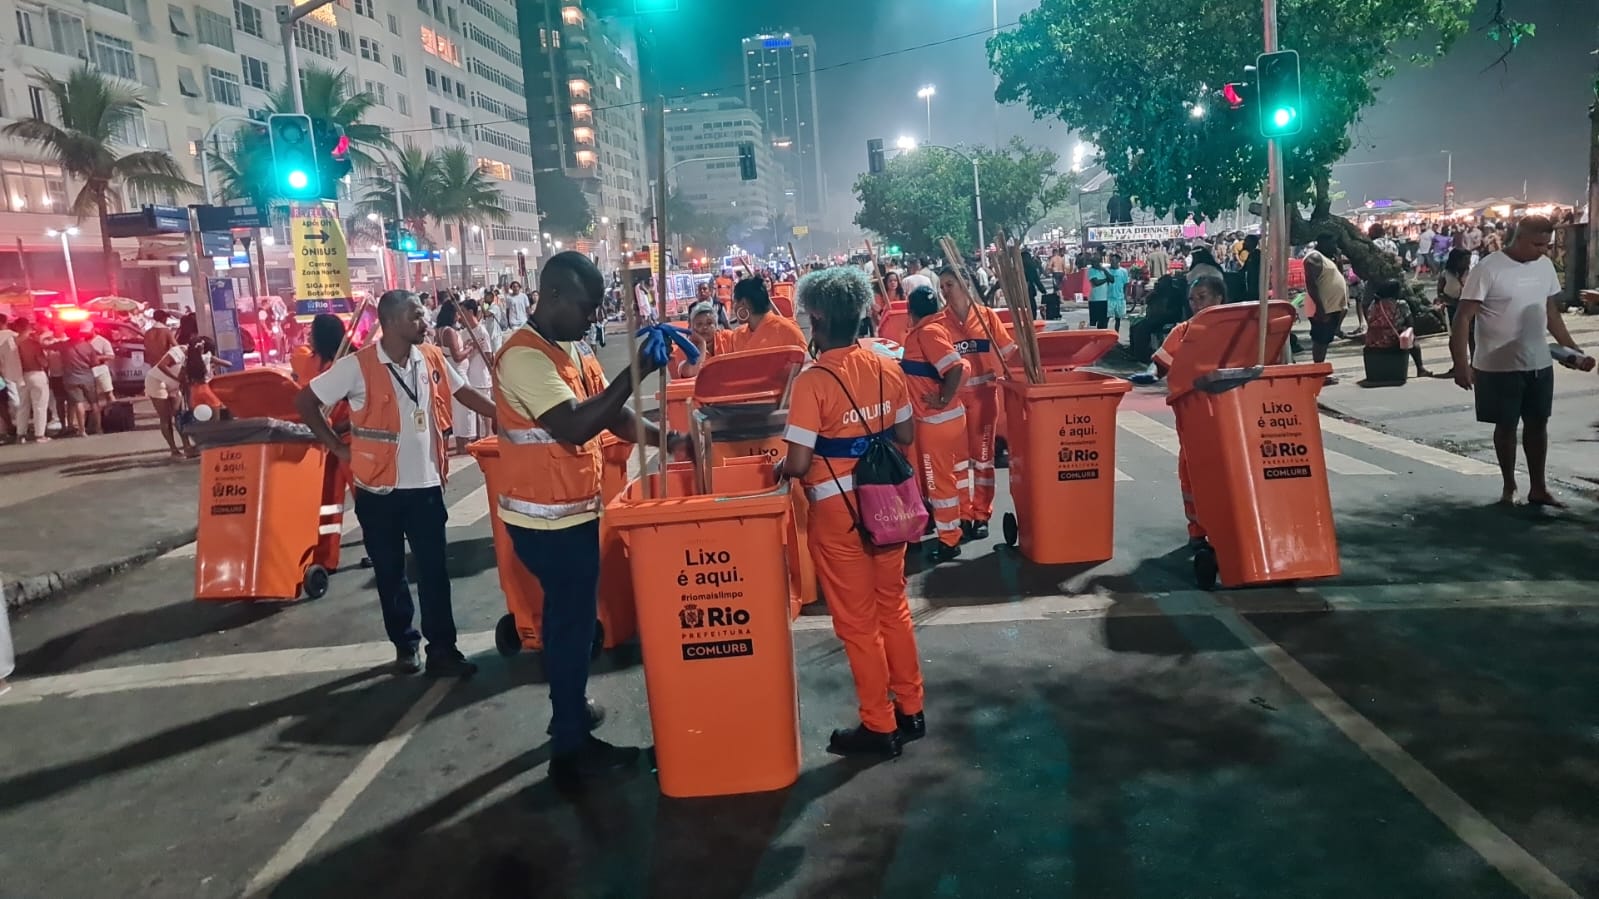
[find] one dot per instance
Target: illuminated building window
(571, 15)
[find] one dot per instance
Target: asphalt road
(1423, 725)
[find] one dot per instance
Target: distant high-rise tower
(780, 85)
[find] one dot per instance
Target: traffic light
(746, 160)
(874, 156)
(1280, 99)
(1233, 92)
(332, 154)
(399, 238)
(294, 157)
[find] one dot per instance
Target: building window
(432, 78)
(36, 103)
(67, 36)
(446, 84)
(436, 116)
(247, 19)
(114, 56)
(496, 169)
(379, 92)
(26, 20)
(256, 73)
(454, 25)
(120, 6)
(130, 132)
(34, 186)
(440, 46)
(403, 104)
(187, 85)
(460, 91)
(394, 24)
(317, 40)
(399, 64)
(213, 29)
(149, 73)
(346, 41)
(571, 15)
(223, 87)
(371, 50)
(364, 8)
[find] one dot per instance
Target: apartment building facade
(710, 128)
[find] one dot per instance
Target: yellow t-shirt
(531, 384)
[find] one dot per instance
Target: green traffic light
(298, 180)
(1282, 116)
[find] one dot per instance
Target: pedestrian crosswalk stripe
(1409, 449)
(469, 509)
(1122, 475)
(1141, 425)
(1338, 463)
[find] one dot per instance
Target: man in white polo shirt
(1512, 297)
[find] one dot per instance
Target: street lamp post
(66, 253)
(926, 93)
(1449, 179)
(605, 240)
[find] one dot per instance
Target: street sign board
(225, 218)
(321, 260)
(216, 243)
(1133, 233)
(801, 230)
(148, 221)
(225, 318)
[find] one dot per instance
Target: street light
(1449, 179)
(66, 251)
(926, 93)
(372, 217)
(906, 143)
(1197, 111)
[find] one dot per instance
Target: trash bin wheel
(1009, 526)
(599, 641)
(507, 639)
(1205, 568)
(316, 582)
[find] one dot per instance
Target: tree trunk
(1370, 263)
(1592, 280)
(108, 253)
(460, 237)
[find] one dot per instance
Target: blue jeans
(388, 520)
(567, 565)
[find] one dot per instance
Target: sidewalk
(76, 509)
(1436, 412)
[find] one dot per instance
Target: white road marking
(1122, 475)
(1473, 828)
(1338, 463)
(1409, 449)
(470, 509)
(1140, 425)
(304, 840)
(353, 657)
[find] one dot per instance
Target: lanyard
(413, 393)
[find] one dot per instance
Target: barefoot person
(1513, 297)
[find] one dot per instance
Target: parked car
(129, 367)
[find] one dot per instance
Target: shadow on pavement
(152, 459)
(138, 630)
(44, 463)
(994, 574)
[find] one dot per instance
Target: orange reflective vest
(375, 428)
(545, 478)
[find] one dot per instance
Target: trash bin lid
(1229, 337)
(1060, 350)
(747, 375)
(258, 393)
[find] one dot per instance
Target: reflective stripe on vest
(528, 435)
(373, 434)
(946, 415)
(830, 487)
(548, 511)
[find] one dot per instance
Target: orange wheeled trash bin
(519, 628)
(1063, 453)
(711, 576)
(739, 410)
(1251, 439)
(271, 497)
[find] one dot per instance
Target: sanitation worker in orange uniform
(712, 340)
(934, 372)
(1204, 293)
(986, 344)
(553, 404)
(399, 389)
(762, 327)
(851, 392)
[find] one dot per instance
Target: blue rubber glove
(655, 342)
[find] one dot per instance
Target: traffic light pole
(288, 16)
(1277, 206)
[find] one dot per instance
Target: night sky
(1505, 125)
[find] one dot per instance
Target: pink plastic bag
(892, 513)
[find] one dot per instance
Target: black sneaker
(596, 717)
(860, 740)
(595, 758)
(911, 727)
(941, 553)
(406, 661)
(449, 663)
(979, 530)
(966, 531)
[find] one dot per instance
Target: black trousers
(1099, 313)
(388, 521)
(567, 564)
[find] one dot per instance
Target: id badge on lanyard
(419, 416)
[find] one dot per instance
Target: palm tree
(93, 108)
(467, 195)
(417, 177)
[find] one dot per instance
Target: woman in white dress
(458, 351)
(479, 354)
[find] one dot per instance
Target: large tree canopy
(926, 194)
(1126, 73)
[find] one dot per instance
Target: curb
(23, 590)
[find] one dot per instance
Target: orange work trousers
(330, 523)
(939, 455)
(982, 410)
(865, 591)
(1195, 532)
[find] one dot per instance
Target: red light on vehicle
(72, 314)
